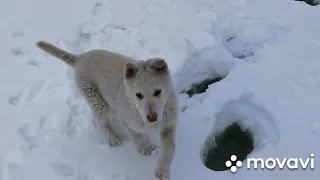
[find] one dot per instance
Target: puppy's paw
(114, 140)
(147, 150)
(162, 172)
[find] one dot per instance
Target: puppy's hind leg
(100, 109)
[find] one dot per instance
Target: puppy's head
(148, 85)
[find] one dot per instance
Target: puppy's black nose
(152, 117)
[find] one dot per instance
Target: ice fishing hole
(219, 147)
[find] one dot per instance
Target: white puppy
(141, 93)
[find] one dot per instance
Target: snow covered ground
(268, 50)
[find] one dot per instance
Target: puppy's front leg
(141, 141)
(167, 137)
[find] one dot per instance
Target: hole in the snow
(311, 2)
(241, 127)
(233, 140)
(198, 88)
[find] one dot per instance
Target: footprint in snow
(13, 100)
(18, 34)
(97, 8)
(17, 52)
(35, 89)
(33, 62)
(24, 132)
(84, 35)
(62, 169)
(70, 128)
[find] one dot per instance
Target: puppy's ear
(158, 65)
(130, 70)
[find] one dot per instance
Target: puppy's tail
(65, 56)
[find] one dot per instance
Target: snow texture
(268, 52)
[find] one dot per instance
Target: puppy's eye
(157, 92)
(139, 95)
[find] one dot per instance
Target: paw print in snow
(233, 158)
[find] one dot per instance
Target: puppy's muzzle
(152, 117)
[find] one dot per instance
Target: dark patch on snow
(83, 35)
(233, 140)
(114, 26)
(99, 4)
(33, 62)
(310, 2)
(119, 27)
(97, 8)
(17, 51)
(201, 87)
(13, 100)
(242, 56)
(18, 34)
(42, 122)
(229, 39)
(24, 132)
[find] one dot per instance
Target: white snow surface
(273, 87)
